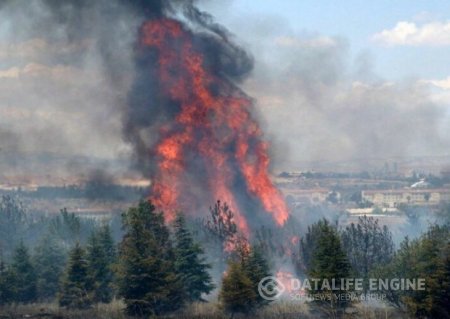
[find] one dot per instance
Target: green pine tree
(328, 262)
(147, 277)
(401, 266)
(24, 274)
(257, 268)
(70, 228)
(101, 255)
(75, 286)
(368, 245)
(7, 286)
(434, 267)
(237, 294)
(442, 295)
(308, 244)
(427, 257)
(190, 264)
(49, 259)
(107, 242)
(13, 222)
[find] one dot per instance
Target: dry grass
(286, 310)
(114, 310)
(367, 312)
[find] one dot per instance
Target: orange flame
(285, 278)
(216, 129)
(295, 240)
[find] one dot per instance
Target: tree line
(366, 250)
(155, 268)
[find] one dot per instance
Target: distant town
(394, 193)
(391, 194)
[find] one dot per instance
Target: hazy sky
(348, 79)
(332, 80)
(404, 37)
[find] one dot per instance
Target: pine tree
(147, 277)
(49, 259)
(25, 280)
(427, 257)
(308, 244)
(13, 221)
(442, 296)
(190, 264)
(221, 223)
(403, 265)
(257, 268)
(436, 257)
(237, 294)
(100, 256)
(107, 242)
(7, 287)
(218, 233)
(328, 262)
(367, 245)
(75, 286)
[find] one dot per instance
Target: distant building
(372, 211)
(307, 196)
(392, 198)
(389, 216)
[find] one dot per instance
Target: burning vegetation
(195, 136)
(209, 145)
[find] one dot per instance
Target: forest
(69, 266)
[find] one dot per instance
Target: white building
(392, 198)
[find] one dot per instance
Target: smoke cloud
(323, 103)
(67, 67)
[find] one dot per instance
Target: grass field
(114, 310)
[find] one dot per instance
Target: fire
(285, 278)
(295, 240)
(214, 148)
